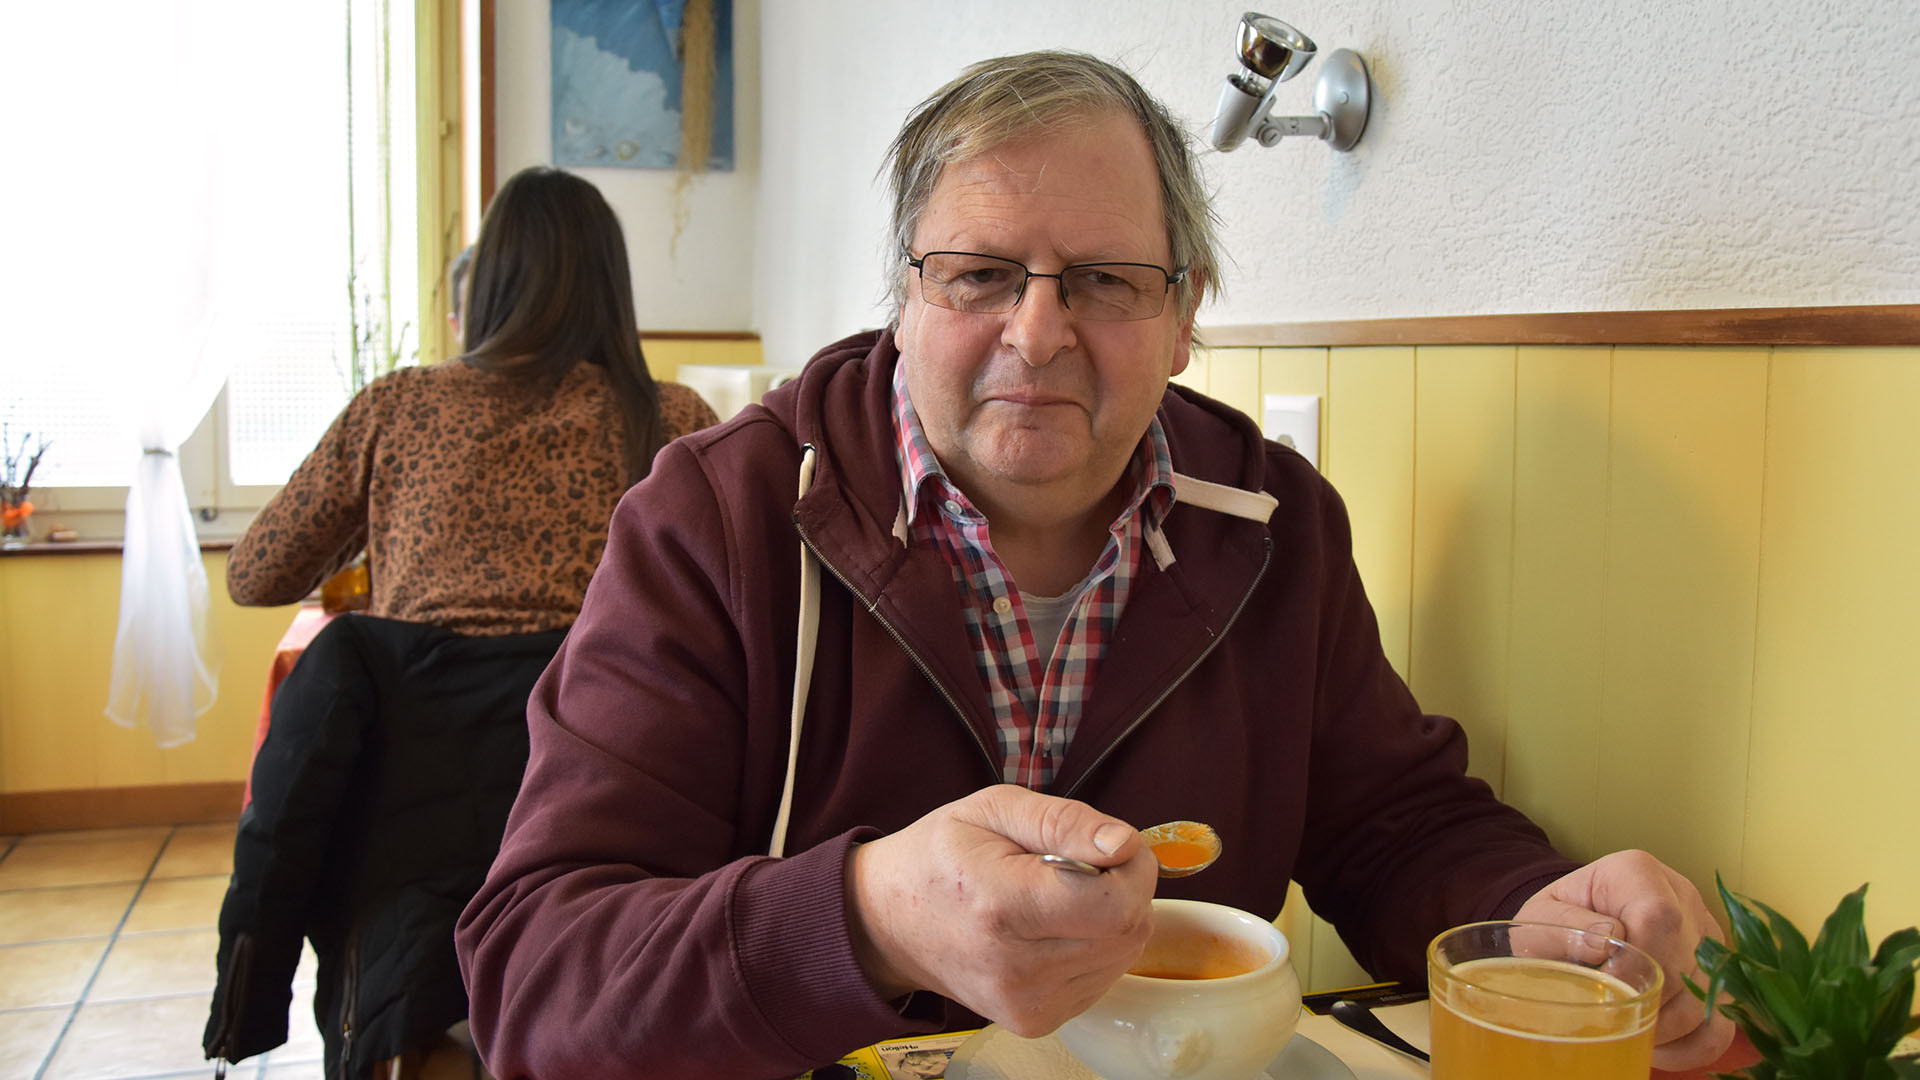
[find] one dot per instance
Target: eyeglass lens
(989, 285)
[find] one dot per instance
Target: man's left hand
(1635, 897)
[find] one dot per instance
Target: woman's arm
(317, 522)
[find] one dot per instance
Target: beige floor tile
(308, 972)
(52, 974)
(28, 915)
(196, 850)
(188, 903)
(25, 1038)
(145, 965)
(134, 1038)
(303, 1036)
(100, 858)
(71, 836)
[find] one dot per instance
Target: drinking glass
(1513, 999)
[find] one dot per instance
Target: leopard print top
(482, 500)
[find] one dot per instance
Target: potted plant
(1826, 1011)
(15, 482)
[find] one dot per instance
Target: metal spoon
(1361, 1019)
(1181, 847)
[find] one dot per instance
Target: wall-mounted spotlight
(1273, 52)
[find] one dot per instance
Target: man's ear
(1183, 343)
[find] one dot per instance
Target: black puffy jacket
(379, 796)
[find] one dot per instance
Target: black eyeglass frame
(1174, 277)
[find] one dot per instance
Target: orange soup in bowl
(1198, 955)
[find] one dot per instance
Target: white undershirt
(1047, 615)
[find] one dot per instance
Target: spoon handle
(1062, 862)
(1361, 1019)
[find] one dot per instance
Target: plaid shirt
(1036, 701)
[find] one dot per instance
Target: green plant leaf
(1814, 1057)
(1893, 1020)
(1795, 958)
(1750, 936)
(1843, 937)
(1901, 949)
(1779, 996)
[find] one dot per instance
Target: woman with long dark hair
(480, 488)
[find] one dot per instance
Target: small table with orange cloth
(306, 623)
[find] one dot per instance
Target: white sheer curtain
(199, 84)
(142, 157)
(156, 152)
(165, 667)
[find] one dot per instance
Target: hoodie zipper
(872, 609)
(1265, 561)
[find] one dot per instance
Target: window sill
(96, 547)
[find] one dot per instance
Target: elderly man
(1041, 598)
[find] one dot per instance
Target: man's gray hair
(1011, 96)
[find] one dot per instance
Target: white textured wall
(702, 281)
(1524, 155)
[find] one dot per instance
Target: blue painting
(616, 83)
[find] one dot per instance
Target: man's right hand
(960, 904)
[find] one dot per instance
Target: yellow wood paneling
(664, 356)
(1683, 538)
(1298, 371)
(1320, 957)
(1370, 439)
(60, 619)
(1836, 717)
(60, 615)
(1463, 543)
(1194, 377)
(732, 352)
(1554, 740)
(1234, 378)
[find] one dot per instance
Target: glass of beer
(1532, 1000)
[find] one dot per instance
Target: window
(315, 203)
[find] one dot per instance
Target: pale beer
(1575, 1006)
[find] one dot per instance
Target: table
(306, 623)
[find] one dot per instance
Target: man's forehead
(1095, 181)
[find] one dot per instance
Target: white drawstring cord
(804, 638)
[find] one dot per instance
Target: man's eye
(1101, 279)
(984, 277)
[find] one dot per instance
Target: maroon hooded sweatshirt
(632, 924)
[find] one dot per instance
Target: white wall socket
(1293, 420)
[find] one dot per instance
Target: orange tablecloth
(305, 624)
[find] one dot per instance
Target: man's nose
(1041, 326)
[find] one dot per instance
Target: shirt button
(953, 506)
(1002, 605)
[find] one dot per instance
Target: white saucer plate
(997, 1054)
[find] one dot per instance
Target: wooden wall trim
(24, 812)
(1863, 325)
(698, 335)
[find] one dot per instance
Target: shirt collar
(1151, 467)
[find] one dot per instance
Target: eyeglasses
(989, 285)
